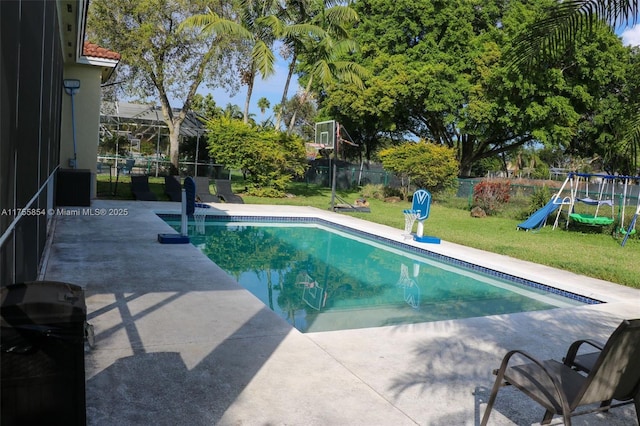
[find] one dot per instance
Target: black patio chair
(202, 190)
(224, 191)
(611, 373)
(173, 188)
(140, 188)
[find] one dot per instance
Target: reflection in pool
(319, 279)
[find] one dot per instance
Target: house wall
(31, 68)
(87, 119)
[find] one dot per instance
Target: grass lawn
(587, 251)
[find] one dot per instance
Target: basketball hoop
(304, 280)
(410, 217)
(199, 217)
(312, 150)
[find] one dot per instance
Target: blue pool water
(319, 278)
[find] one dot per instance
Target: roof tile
(95, 51)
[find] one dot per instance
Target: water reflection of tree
(334, 265)
(342, 271)
(347, 272)
(241, 249)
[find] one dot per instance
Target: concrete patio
(179, 342)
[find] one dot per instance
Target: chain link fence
(349, 175)
(158, 166)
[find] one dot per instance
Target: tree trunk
(303, 100)
(247, 101)
(174, 144)
(466, 154)
(285, 92)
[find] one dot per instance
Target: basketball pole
(323, 140)
(334, 170)
(333, 186)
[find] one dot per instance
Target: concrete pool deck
(179, 342)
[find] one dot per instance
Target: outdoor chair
(173, 188)
(202, 190)
(223, 189)
(140, 188)
(611, 373)
(128, 166)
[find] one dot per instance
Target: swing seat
(623, 231)
(592, 202)
(589, 219)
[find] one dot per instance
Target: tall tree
(324, 65)
(205, 106)
(259, 17)
(564, 22)
(265, 21)
(438, 73)
(159, 59)
(264, 104)
(232, 111)
(308, 22)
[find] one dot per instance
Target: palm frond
(263, 58)
(272, 22)
(297, 30)
(342, 15)
(551, 35)
(344, 47)
(351, 73)
(322, 70)
(211, 23)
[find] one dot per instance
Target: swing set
(600, 201)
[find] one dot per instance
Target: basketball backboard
(422, 203)
(326, 134)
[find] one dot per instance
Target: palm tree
(256, 29)
(311, 21)
(263, 104)
(211, 23)
(232, 111)
(260, 18)
(324, 65)
(566, 19)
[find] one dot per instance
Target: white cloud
(631, 36)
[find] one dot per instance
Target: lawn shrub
(429, 166)
(393, 192)
(491, 195)
(376, 191)
(540, 196)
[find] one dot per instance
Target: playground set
(601, 206)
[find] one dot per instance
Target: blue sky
(271, 88)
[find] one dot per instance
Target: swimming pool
(320, 277)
